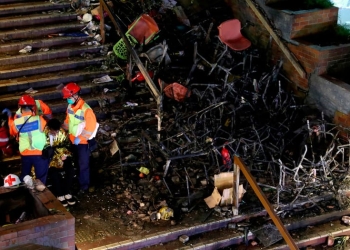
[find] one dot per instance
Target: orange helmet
(70, 89)
(26, 100)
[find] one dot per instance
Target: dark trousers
(62, 178)
(41, 167)
(81, 153)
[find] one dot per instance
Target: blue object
(74, 34)
(76, 141)
(7, 111)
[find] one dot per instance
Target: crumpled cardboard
(223, 192)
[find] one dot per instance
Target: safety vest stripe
(4, 139)
(79, 117)
(28, 127)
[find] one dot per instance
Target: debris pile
(217, 100)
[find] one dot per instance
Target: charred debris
(216, 102)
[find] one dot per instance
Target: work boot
(70, 199)
(62, 200)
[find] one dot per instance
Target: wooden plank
(280, 44)
(264, 201)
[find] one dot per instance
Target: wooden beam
(155, 92)
(264, 201)
(102, 23)
(279, 42)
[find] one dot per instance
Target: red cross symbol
(9, 180)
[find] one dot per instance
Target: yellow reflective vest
(31, 136)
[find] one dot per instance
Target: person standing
(81, 125)
(29, 129)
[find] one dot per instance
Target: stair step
(60, 106)
(35, 19)
(48, 55)
(7, 72)
(40, 31)
(25, 8)
(216, 239)
(52, 93)
(20, 1)
(40, 43)
(49, 79)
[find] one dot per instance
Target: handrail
(280, 44)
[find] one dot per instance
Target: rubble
(159, 161)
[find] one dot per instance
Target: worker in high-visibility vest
(81, 125)
(29, 129)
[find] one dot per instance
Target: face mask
(70, 101)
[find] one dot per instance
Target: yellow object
(144, 170)
(166, 213)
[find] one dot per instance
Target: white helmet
(11, 180)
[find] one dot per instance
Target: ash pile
(159, 160)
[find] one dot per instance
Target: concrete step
(49, 79)
(40, 43)
(20, 1)
(12, 71)
(169, 234)
(48, 55)
(52, 93)
(29, 7)
(35, 19)
(59, 106)
(43, 30)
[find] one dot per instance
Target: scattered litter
(167, 4)
(98, 37)
(60, 86)
(184, 238)
(28, 180)
(26, 49)
(102, 79)
(130, 104)
(31, 91)
(87, 18)
(166, 213)
(44, 49)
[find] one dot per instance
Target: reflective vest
(30, 136)
(76, 118)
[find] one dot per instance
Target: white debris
(31, 91)
(102, 79)
(26, 49)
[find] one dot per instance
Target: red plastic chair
(230, 35)
(143, 29)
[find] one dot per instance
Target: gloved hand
(76, 141)
(7, 111)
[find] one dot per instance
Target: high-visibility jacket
(4, 136)
(41, 109)
(32, 138)
(79, 115)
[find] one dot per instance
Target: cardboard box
(223, 192)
